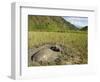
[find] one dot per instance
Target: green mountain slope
(49, 23)
(85, 28)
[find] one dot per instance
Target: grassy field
(77, 41)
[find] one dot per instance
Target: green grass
(75, 40)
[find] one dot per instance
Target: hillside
(49, 23)
(85, 28)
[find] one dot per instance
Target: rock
(53, 54)
(46, 54)
(56, 48)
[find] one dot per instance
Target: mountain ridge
(49, 23)
(85, 28)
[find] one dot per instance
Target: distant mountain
(49, 23)
(85, 28)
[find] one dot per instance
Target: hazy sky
(77, 21)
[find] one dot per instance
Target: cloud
(77, 21)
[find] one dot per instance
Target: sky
(77, 21)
